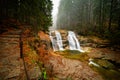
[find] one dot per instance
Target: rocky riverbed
(61, 65)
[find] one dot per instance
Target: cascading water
(57, 44)
(73, 42)
(54, 45)
(72, 45)
(56, 40)
(59, 40)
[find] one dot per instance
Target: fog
(89, 16)
(55, 11)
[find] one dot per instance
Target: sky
(55, 11)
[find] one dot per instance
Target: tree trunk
(101, 17)
(110, 17)
(119, 23)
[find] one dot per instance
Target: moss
(104, 63)
(74, 54)
(106, 69)
(107, 74)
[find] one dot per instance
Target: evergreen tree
(33, 12)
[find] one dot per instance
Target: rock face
(10, 64)
(72, 69)
(64, 35)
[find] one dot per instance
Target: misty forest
(59, 39)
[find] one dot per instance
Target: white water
(56, 41)
(59, 40)
(53, 42)
(73, 42)
(93, 63)
(57, 44)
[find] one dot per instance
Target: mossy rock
(104, 63)
(106, 69)
(74, 54)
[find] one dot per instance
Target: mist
(89, 16)
(55, 11)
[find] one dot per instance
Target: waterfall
(53, 43)
(57, 44)
(56, 40)
(59, 40)
(73, 41)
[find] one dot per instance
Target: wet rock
(9, 56)
(4, 69)
(63, 32)
(52, 33)
(66, 68)
(13, 73)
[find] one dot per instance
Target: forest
(91, 17)
(35, 13)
